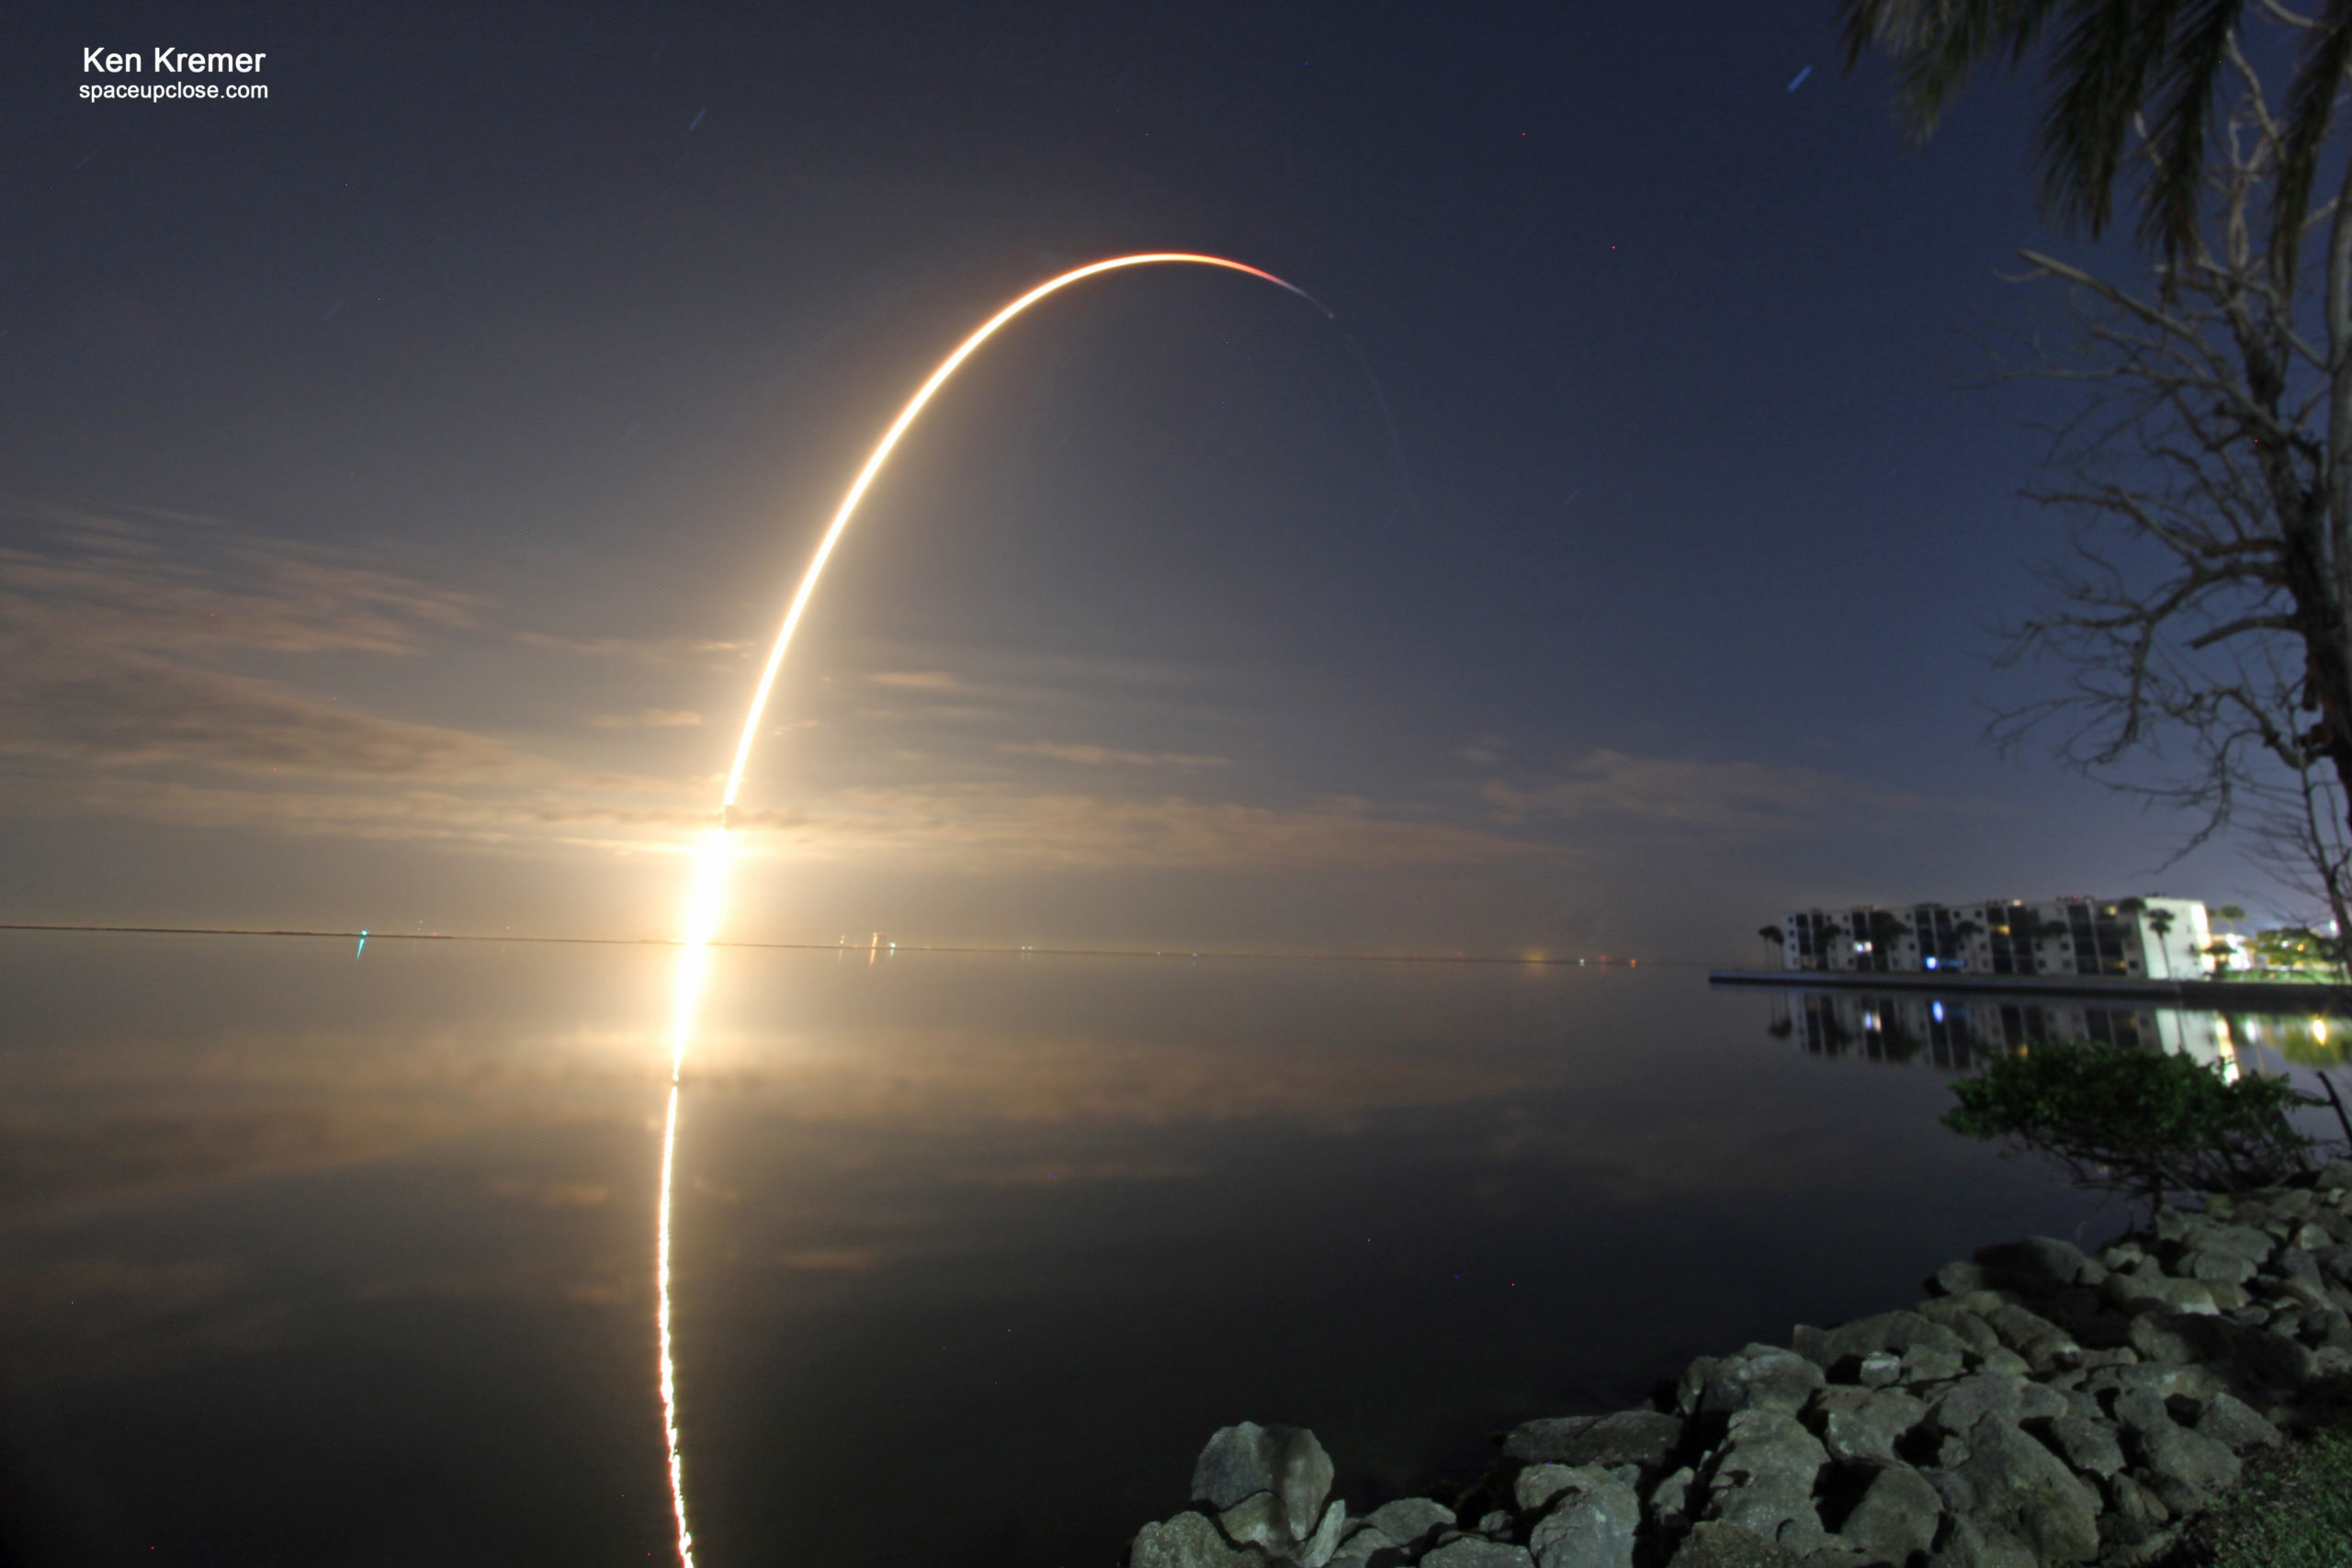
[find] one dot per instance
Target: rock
(2090, 1446)
(1714, 1544)
(1898, 1515)
(1956, 1279)
(2239, 1240)
(1591, 1525)
(1188, 1540)
(1762, 1480)
(2005, 1361)
(2040, 1262)
(2230, 1420)
(2011, 1398)
(1761, 1377)
(2020, 1488)
(2173, 1451)
(2044, 1345)
(1879, 1369)
(1862, 1423)
(1964, 1316)
(1285, 1460)
(2151, 1292)
(1645, 1437)
(1693, 1384)
(2128, 1497)
(1670, 1501)
(2227, 1267)
(1926, 1364)
(1966, 1544)
(1258, 1519)
(1320, 1544)
(1497, 1524)
(1470, 1551)
(1409, 1521)
(1837, 1350)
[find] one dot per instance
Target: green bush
(2137, 1122)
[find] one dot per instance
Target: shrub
(2137, 1122)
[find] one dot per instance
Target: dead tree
(2204, 618)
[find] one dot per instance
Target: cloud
(981, 828)
(201, 587)
(1098, 756)
(647, 718)
(114, 711)
(917, 681)
(1740, 799)
(721, 653)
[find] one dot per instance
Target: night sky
(403, 475)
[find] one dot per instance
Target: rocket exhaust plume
(705, 899)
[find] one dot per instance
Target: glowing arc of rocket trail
(704, 900)
(889, 441)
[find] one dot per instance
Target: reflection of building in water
(1956, 1033)
(2141, 938)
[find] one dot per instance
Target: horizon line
(1584, 961)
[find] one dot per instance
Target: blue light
(1936, 1010)
(1931, 963)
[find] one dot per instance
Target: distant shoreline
(2218, 995)
(908, 947)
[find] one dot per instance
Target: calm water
(312, 1260)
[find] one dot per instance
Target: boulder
(1590, 1524)
(2037, 1263)
(2017, 1487)
(2227, 1267)
(1714, 1544)
(1966, 1544)
(2174, 1452)
(1188, 1540)
(2009, 1398)
(1897, 1514)
(1409, 1521)
(1471, 1552)
(1861, 1423)
(1929, 1363)
(2091, 1446)
(1761, 1377)
(1837, 1351)
(2159, 1292)
(1964, 1316)
(1956, 1279)
(2229, 1419)
(1670, 1501)
(1644, 1438)
(1762, 1480)
(1285, 1460)
(2044, 1345)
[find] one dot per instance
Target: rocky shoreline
(2043, 1406)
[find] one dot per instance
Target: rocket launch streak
(705, 901)
(889, 442)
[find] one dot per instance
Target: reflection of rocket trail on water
(704, 902)
(362, 951)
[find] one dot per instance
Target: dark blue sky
(398, 467)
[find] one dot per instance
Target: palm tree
(1773, 939)
(2118, 64)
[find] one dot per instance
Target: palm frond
(1937, 43)
(2311, 105)
(2184, 123)
(2109, 57)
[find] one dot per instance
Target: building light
(1931, 961)
(1936, 1011)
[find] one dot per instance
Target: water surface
(311, 1259)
